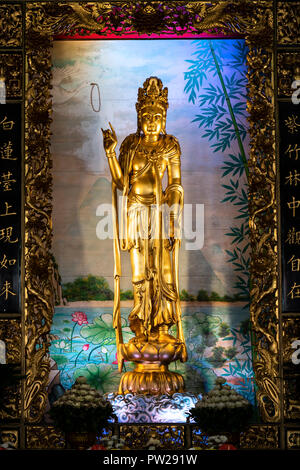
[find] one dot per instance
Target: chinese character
(294, 205)
(295, 95)
(293, 237)
(292, 124)
(7, 213)
(7, 125)
(293, 179)
(6, 291)
(5, 260)
(295, 263)
(295, 291)
(6, 234)
(290, 150)
(6, 151)
(7, 181)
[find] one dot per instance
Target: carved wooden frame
(252, 19)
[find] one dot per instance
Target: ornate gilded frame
(250, 18)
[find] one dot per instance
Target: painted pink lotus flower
(85, 347)
(80, 318)
(116, 359)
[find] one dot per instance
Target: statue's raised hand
(109, 139)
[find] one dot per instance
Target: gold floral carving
(12, 410)
(291, 401)
(199, 439)
(39, 290)
(10, 333)
(11, 70)
(260, 437)
(288, 70)
(44, 437)
(252, 19)
(10, 25)
(291, 333)
(288, 20)
(293, 439)
(264, 310)
(137, 436)
(11, 436)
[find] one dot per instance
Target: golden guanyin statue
(150, 230)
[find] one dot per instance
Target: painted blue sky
(80, 168)
(82, 177)
(120, 67)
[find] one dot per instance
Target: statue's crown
(152, 94)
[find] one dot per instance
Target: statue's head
(151, 106)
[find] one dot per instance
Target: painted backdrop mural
(95, 82)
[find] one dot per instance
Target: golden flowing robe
(149, 229)
(142, 230)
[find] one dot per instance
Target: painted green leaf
(60, 359)
(235, 166)
(225, 105)
(102, 377)
(101, 331)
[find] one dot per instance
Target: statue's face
(151, 121)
